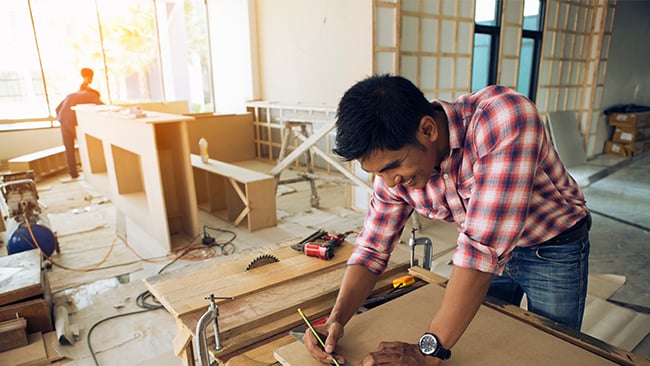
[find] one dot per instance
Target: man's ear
(428, 129)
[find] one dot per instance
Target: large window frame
(537, 37)
(494, 32)
(177, 40)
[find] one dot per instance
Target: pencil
(316, 334)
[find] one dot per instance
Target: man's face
(410, 166)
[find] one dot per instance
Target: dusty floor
(86, 225)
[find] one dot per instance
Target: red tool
(325, 250)
(319, 251)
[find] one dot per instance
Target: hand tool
(315, 236)
(315, 333)
(403, 281)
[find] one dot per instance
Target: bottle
(203, 150)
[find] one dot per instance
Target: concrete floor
(617, 192)
(620, 235)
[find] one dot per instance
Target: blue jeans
(554, 278)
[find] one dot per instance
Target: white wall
(16, 143)
(310, 52)
(628, 76)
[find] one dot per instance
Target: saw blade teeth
(262, 260)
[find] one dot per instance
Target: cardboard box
(627, 136)
(629, 120)
(617, 148)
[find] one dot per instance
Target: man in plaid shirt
(485, 162)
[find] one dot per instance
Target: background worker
(483, 161)
(68, 120)
(87, 75)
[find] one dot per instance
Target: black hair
(377, 113)
(86, 72)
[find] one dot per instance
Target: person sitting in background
(68, 119)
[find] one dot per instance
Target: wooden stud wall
(510, 43)
(573, 62)
(268, 129)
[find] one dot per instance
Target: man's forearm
(357, 284)
(464, 294)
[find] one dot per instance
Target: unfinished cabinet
(142, 164)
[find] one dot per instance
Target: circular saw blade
(262, 260)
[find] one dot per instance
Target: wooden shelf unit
(235, 193)
(143, 166)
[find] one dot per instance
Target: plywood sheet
(493, 338)
(566, 138)
(24, 280)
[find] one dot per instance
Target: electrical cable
(146, 300)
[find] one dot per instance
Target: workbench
(255, 325)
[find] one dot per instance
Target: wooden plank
(488, 340)
(30, 355)
(228, 170)
(36, 311)
(283, 315)
(585, 341)
(20, 276)
(302, 148)
(13, 334)
(185, 294)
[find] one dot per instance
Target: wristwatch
(430, 346)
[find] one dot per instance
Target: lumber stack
(25, 304)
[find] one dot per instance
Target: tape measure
(403, 281)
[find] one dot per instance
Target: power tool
(324, 247)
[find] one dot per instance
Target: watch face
(428, 344)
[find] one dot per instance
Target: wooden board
(32, 354)
(23, 276)
(36, 311)
(492, 338)
(186, 293)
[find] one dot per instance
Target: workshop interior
(198, 216)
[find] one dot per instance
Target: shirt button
(445, 175)
(462, 224)
(431, 215)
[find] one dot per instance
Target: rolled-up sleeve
(383, 226)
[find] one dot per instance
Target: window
(139, 50)
(531, 44)
(487, 20)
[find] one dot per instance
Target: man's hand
(399, 354)
(333, 331)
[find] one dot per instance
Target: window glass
(532, 18)
(481, 61)
(128, 30)
(525, 65)
(183, 35)
(486, 12)
(21, 83)
(67, 44)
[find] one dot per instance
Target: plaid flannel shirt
(503, 184)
